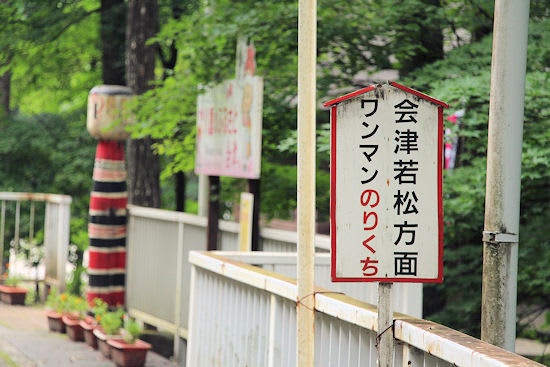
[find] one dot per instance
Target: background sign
(229, 123)
(386, 194)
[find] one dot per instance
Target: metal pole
(17, 219)
(385, 325)
(307, 44)
(31, 224)
(502, 202)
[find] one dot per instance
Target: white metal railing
(56, 230)
(407, 297)
(158, 271)
(242, 315)
(157, 267)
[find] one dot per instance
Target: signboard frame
(333, 200)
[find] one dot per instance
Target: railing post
(502, 199)
(178, 301)
(191, 320)
(31, 224)
(17, 219)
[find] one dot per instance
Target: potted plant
(56, 305)
(76, 311)
(11, 293)
(89, 323)
(110, 324)
(130, 351)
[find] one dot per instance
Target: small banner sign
(229, 123)
(386, 186)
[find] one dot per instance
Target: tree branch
(72, 22)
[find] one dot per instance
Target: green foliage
(99, 308)
(111, 321)
(53, 52)
(58, 302)
(30, 297)
(52, 154)
(13, 281)
(463, 80)
(77, 305)
(132, 330)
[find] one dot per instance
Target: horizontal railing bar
(257, 277)
(166, 215)
(269, 258)
(455, 347)
(27, 196)
(321, 241)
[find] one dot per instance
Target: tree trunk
(5, 89)
(143, 173)
(140, 58)
(143, 164)
(113, 37)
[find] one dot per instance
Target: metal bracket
(498, 237)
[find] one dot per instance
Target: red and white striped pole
(109, 197)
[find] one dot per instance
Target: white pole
(203, 195)
(307, 45)
(500, 235)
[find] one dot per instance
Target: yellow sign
(245, 233)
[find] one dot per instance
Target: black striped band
(108, 242)
(108, 219)
(106, 280)
(104, 186)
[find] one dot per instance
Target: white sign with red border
(386, 186)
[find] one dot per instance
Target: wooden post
(213, 213)
(180, 191)
(385, 325)
(305, 308)
(254, 189)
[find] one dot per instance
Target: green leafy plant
(58, 302)
(132, 330)
(111, 321)
(99, 308)
(13, 281)
(77, 306)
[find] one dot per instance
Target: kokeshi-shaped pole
(107, 118)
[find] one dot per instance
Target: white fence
(158, 271)
(56, 230)
(242, 315)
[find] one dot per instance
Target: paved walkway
(26, 342)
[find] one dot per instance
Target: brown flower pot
(74, 330)
(102, 339)
(54, 322)
(12, 295)
(88, 327)
(129, 354)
